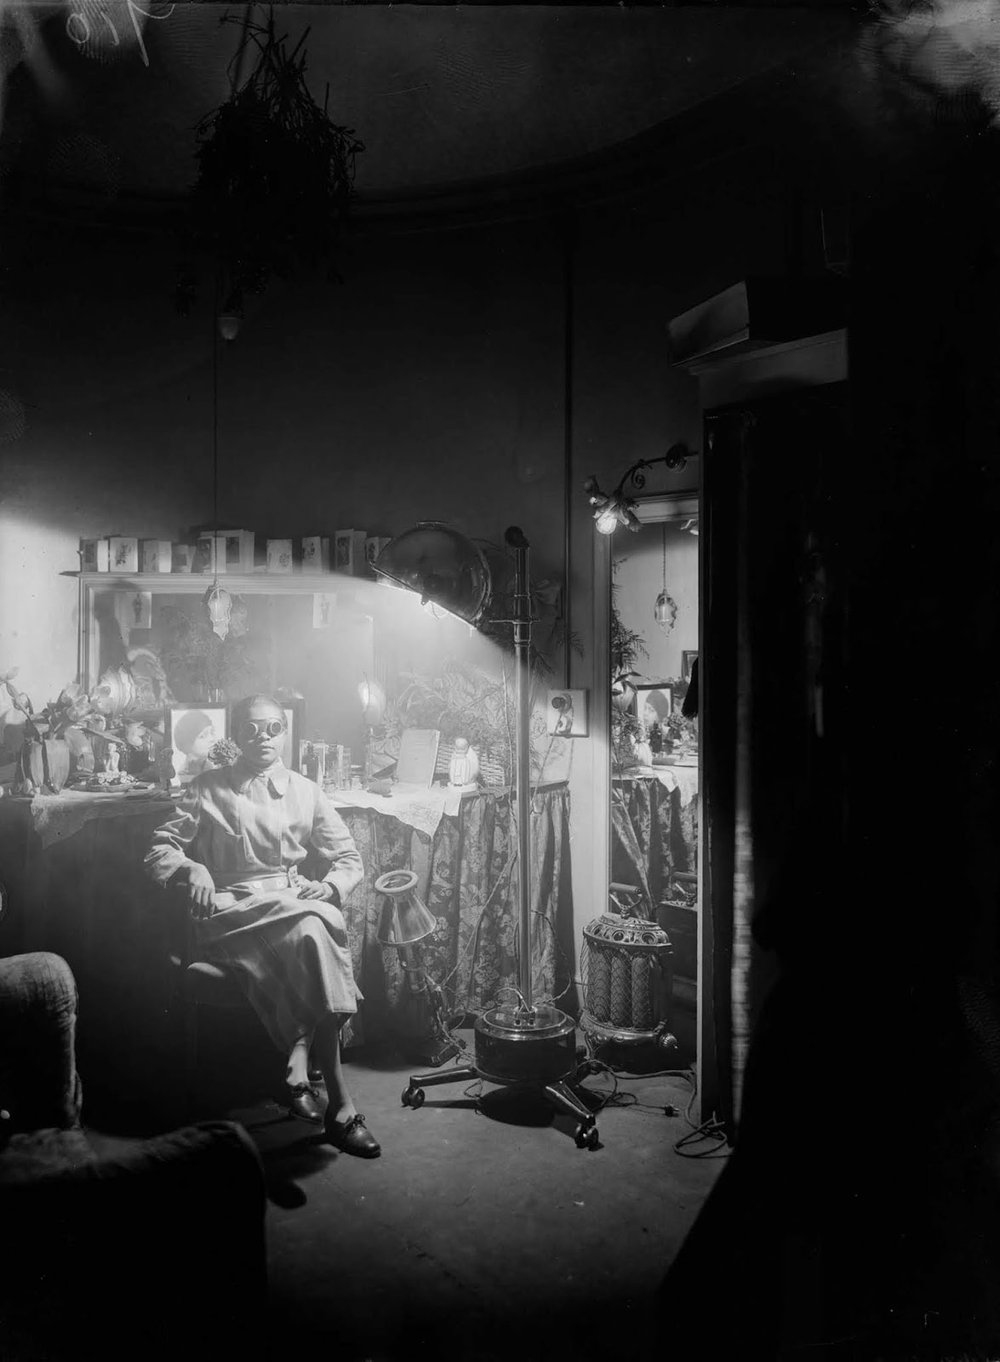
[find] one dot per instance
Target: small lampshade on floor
(406, 921)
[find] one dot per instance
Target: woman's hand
(200, 891)
(316, 889)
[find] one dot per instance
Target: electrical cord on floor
(711, 1132)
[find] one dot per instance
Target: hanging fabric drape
(769, 783)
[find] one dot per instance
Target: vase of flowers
(45, 758)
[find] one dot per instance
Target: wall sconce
(619, 508)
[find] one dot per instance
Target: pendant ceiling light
(665, 609)
(220, 608)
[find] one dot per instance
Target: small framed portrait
(654, 704)
(191, 732)
(566, 713)
(688, 658)
(124, 553)
(294, 714)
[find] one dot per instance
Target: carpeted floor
(482, 1231)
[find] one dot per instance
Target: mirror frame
(189, 584)
(662, 508)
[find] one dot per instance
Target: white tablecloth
(56, 817)
(420, 807)
(683, 778)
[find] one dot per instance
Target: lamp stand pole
(522, 755)
(525, 1047)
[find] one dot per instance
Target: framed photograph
(154, 555)
(182, 557)
(315, 553)
(95, 555)
(124, 554)
(294, 714)
(654, 704)
(688, 658)
(279, 555)
(566, 713)
(191, 731)
(235, 551)
(349, 552)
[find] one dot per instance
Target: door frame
(653, 510)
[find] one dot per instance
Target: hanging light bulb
(665, 609)
(220, 608)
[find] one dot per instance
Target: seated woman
(235, 845)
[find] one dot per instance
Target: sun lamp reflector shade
(441, 566)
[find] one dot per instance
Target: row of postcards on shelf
(348, 551)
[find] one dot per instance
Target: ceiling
(440, 96)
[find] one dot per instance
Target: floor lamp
(524, 1045)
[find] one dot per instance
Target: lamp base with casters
(532, 1049)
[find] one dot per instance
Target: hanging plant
(275, 175)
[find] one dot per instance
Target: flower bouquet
(50, 735)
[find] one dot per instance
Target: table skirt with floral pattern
(87, 897)
(653, 835)
(467, 877)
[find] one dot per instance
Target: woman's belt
(262, 879)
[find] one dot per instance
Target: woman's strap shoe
(304, 1102)
(352, 1137)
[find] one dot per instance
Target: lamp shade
(441, 565)
(405, 919)
(220, 609)
(372, 698)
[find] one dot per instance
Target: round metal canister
(514, 1045)
(627, 978)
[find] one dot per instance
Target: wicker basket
(492, 771)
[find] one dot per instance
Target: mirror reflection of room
(655, 737)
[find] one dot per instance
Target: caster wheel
(587, 1137)
(413, 1097)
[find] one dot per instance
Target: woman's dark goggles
(253, 728)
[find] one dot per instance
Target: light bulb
(607, 518)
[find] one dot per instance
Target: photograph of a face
(653, 704)
(192, 731)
